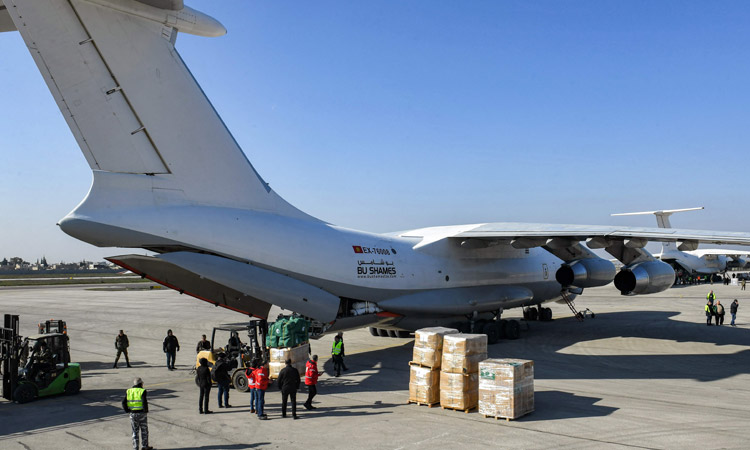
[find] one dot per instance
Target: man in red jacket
(261, 384)
(251, 384)
(311, 380)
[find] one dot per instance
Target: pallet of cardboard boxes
(459, 368)
(506, 388)
(424, 369)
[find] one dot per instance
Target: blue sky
(393, 115)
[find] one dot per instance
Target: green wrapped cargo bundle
(288, 332)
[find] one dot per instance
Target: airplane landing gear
(537, 313)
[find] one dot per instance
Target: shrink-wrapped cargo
(506, 387)
(459, 391)
(428, 345)
(463, 352)
(424, 385)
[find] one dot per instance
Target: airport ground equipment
(24, 376)
(241, 357)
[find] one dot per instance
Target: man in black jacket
(171, 346)
(203, 377)
(221, 375)
(122, 344)
(288, 383)
(733, 310)
(203, 344)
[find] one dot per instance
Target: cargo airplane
(169, 177)
(708, 261)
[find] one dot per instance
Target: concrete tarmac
(646, 372)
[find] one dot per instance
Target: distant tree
(16, 260)
(4, 262)
(44, 262)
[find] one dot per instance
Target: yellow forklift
(240, 354)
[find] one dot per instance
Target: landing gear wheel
(382, 332)
(512, 330)
(239, 380)
(526, 314)
(545, 314)
(24, 393)
(493, 331)
(533, 313)
(392, 333)
(72, 387)
(374, 331)
(403, 334)
(503, 326)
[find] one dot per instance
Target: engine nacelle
(584, 273)
(645, 278)
(737, 263)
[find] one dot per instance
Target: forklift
(39, 365)
(240, 355)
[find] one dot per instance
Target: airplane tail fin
(133, 106)
(662, 221)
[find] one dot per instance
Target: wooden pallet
(422, 403)
(413, 363)
(507, 419)
(459, 409)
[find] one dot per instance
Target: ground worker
(711, 297)
(122, 344)
(221, 375)
(136, 403)
(203, 378)
(252, 386)
(311, 380)
(203, 344)
(41, 360)
(260, 375)
(171, 346)
(336, 354)
(719, 313)
(288, 383)
(709, 312)
(733, 311)
(343, 351)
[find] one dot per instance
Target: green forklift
(37, 366)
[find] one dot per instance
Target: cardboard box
(424, 384)
(459, 391)
(432, 337)
(506, 387)
(457, 363)
(296, 354)
(465, 344)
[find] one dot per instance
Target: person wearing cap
(203, 378)
(221, 375)
(288, 383)
(311, 380)
(136, 403)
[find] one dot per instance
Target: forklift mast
(53, 326)
(256, 334)
(10, 343)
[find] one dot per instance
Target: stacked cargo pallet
(459, 379)
(288, 338)
(298, 355)
(506, 388)
(424, 377)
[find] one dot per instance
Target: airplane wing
(625, 243)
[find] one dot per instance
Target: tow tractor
(29, 371)
(240, 355)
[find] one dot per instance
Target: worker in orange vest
(260, 375)
(252, 384)
(311, 380)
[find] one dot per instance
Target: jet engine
(737, 263)
(645, 278)
(584, 273)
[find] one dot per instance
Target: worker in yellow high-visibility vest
(136, 403)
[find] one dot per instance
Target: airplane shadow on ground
(67, 411)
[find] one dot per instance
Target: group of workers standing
(136, 403)
(715, 310)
